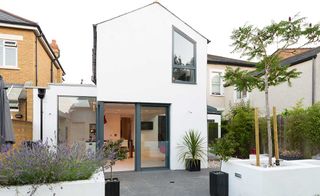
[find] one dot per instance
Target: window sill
(181, 82)
(241, 100)
(213, 95)
(7, 67)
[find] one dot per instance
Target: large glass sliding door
(154, 136)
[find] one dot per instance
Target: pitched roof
(302, 57)
(7, 17)
(214, 59)
(208, 41)
(289, 52)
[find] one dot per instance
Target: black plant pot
(112, 187)
(193, 165)
(219, 183)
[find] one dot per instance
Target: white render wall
(296, 178)
(317, 80)
(93, 186)
(134, 64)
(50, 108)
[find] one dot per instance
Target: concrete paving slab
(164, 183)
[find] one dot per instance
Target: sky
(70, 22)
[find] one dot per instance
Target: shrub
(296, 128)
(302, 129)
(313, 127)
(239, 138)
(42, 163)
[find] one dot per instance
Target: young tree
(256, 43)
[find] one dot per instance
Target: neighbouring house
(219, 98)
(306, 88)
(27, 60)
(149, 68)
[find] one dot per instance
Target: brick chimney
(55, 48)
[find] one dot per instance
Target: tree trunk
(111, 173)
(266, 90)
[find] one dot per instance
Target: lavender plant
(113, 152)
(42, 163)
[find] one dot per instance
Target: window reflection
(184, 65)
(77, 121)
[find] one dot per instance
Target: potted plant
(224, 148)
(113, 152)
(192, 150)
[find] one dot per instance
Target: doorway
(154, 136)
(119, 121)
(144, 129)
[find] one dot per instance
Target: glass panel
(154, 137)
(77, 120)
(183, 75)
(11, 56)
(212, 131)
(238, 94)
(119, 123)
(216, 83)
(1, 53)
(216, 89)
(183, 51)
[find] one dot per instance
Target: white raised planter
(293, 178)
(93, 186)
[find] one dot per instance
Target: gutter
(36, 59)
(36, 28)
(94, 55)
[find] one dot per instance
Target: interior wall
(112, 127)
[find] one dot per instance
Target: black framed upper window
(183, 58)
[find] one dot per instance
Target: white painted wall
(50, 108)
(297, 178)
(317, 83)
(112, 129)
(134, 64)
(93, 186)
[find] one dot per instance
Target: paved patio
(164, 182)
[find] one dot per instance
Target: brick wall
(26, 72)
(22, 131)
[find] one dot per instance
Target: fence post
(275, 135)
(256, 122)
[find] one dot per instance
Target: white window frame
(4, 45)
(237, 100)
(212, 71)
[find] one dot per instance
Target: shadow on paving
(154, 183)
